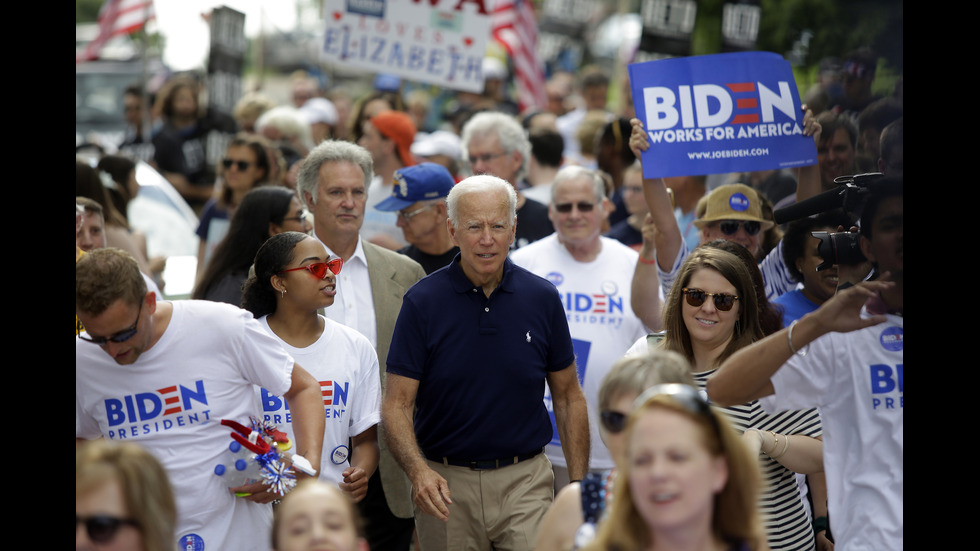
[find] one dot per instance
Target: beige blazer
(391, 274)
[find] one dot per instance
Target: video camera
(840, 248)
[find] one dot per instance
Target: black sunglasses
(102, 528)
(696, 297)
(613, 421)
(565, 208)
(242, 165)
(730, 227)
(121, 336)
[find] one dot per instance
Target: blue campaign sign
(715, 114)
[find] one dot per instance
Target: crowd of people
(486, 329)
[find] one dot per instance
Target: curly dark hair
(258, 295)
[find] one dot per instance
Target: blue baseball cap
(421, 182)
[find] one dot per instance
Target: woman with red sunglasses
(712, 310)
(294, 278)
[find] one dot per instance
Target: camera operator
(808, 262)
(846, 359)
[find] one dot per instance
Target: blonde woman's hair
(143, 481)
(735, 516)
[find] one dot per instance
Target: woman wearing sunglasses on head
(123, 499)
(245, 166)
(294, 278)
(571, 521)
(713, 309)
(265, 211)
(686, 482)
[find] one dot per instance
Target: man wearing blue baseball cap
(419, 198)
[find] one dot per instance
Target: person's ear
(278, 285)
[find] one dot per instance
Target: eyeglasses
(301, 217)
(486, 157)
(319, 269)
(696, 297)
(242, 165)
(102, 528)
(406, 216)
(730, 227)
(121, 336)
(613, 421)
(566, 208)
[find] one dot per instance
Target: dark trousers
(385, 531)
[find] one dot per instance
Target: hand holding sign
(736, 112)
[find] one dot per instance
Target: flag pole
(144, 93)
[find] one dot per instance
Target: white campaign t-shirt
(596, 297)
(171, 400)
(855, 381)
(346, 366)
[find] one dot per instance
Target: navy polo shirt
(481, 361)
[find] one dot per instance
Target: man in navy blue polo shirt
(473, 346)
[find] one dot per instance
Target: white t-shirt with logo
(171, 400)
(346, 366)
(855, 381)
(596, 297)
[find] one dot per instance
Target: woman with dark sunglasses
(571, 521)
(714, 309)
(123, 499)
(294, 278)
(244, 167)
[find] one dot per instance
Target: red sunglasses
(319, 269)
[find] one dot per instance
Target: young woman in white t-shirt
(293, 279)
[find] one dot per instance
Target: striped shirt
(784, 517)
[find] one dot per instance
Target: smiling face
(707, 325)
(673, 478)
(317, 519)
(817, 286)
(304, 289)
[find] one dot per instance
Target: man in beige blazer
(333, 183)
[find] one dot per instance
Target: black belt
(486, 464)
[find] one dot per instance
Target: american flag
(117, 17)
(515, 25)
